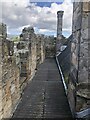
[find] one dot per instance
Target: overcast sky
(42, 16)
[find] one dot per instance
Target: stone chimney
(59, 23)
(59, 31)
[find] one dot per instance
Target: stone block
(85, 34)
(83, 96)
(77, 23)
(74, 60)
(86, 6)
(85, 20)
(7, 109)
(77, 5)
(1, 115)
(12, 88)
(83, 75)
(84, 50)
(8, 92)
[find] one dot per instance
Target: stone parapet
(80, 57)
(9, 82)
(18, 62)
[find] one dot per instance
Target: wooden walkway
(44, 96)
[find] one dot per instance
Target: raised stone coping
(65, 87)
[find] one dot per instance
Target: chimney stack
(59, 23)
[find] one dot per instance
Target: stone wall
(18, 62)
(40, 48)
(79, 80)
(50, 46)
(9, 76)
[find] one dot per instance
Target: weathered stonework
(9, 77)
(33, 54)
(40, 48)
(17, 66)
(0, 76)
(50, 46)
(80, 73)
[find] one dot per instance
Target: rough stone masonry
(17, 67)
(9, 76)
(79, 81)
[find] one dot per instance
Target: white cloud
(16, 14)
(45, 31)
(16, 2)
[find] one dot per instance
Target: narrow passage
(44, 96)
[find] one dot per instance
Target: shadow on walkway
(44, 96)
